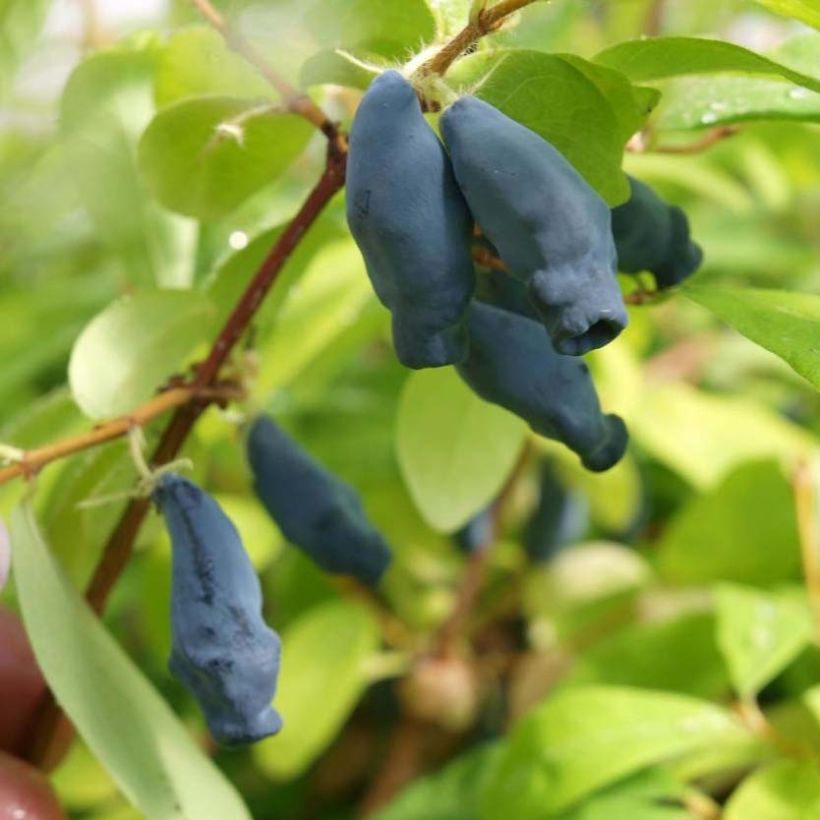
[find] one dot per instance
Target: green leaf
(573, 109)
(106, 105)
(75, 533)
(584, 739)
(261, 538)
(337, 67)
(452, 15)
(810, 703)
(392, 30)
(801, 53)
(323, 677)
(455, 450)
(807, 11)
(128, 727)
(678, 654)
(315, 313)
(205, 156)
(20, 23)
(646, 796)
(580, 583)
(196, 62)
(451, 794)
(760, 633)
(631, 104)
(744, 531)
(131, 349)
(661, 57)
(787, 324)
(705, 102)
(703, 436)
(786, 790)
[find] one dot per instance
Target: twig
(472, 581)
(93, 36)
(296, 101)
(32, 461)
(639, 144)
(653, 24)
(755, 719)
(484, 22)
(400, 765)
(469, 589)
(49, 719)
(488, 260)
(641, 297)
(808, 526)
(701, 805)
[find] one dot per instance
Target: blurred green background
(650, 586)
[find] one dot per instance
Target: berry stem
(482, 23)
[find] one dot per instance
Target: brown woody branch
(34, 460)
(641, 143)
(486, 21)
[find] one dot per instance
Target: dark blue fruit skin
(478, 533)
(651, 235)
(222, 650)
(551, 228)
(560, 518)
(495, 287)
(411, 224)
(315, 510)
(513, 364)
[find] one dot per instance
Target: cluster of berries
(417, 207)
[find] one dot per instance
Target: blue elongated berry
(513, 364)
(495, 287)
(222, 650)
(315, 510)
(411, 224)
(550, 227)
(652, 235)
(560, 518)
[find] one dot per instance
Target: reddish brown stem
(653, 25)
(35, 460)
(456, 627)
(331, 182)
(484, 22)
(400, 766)
(642, 143)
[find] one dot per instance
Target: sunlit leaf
(455, 450)
(131, 349)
